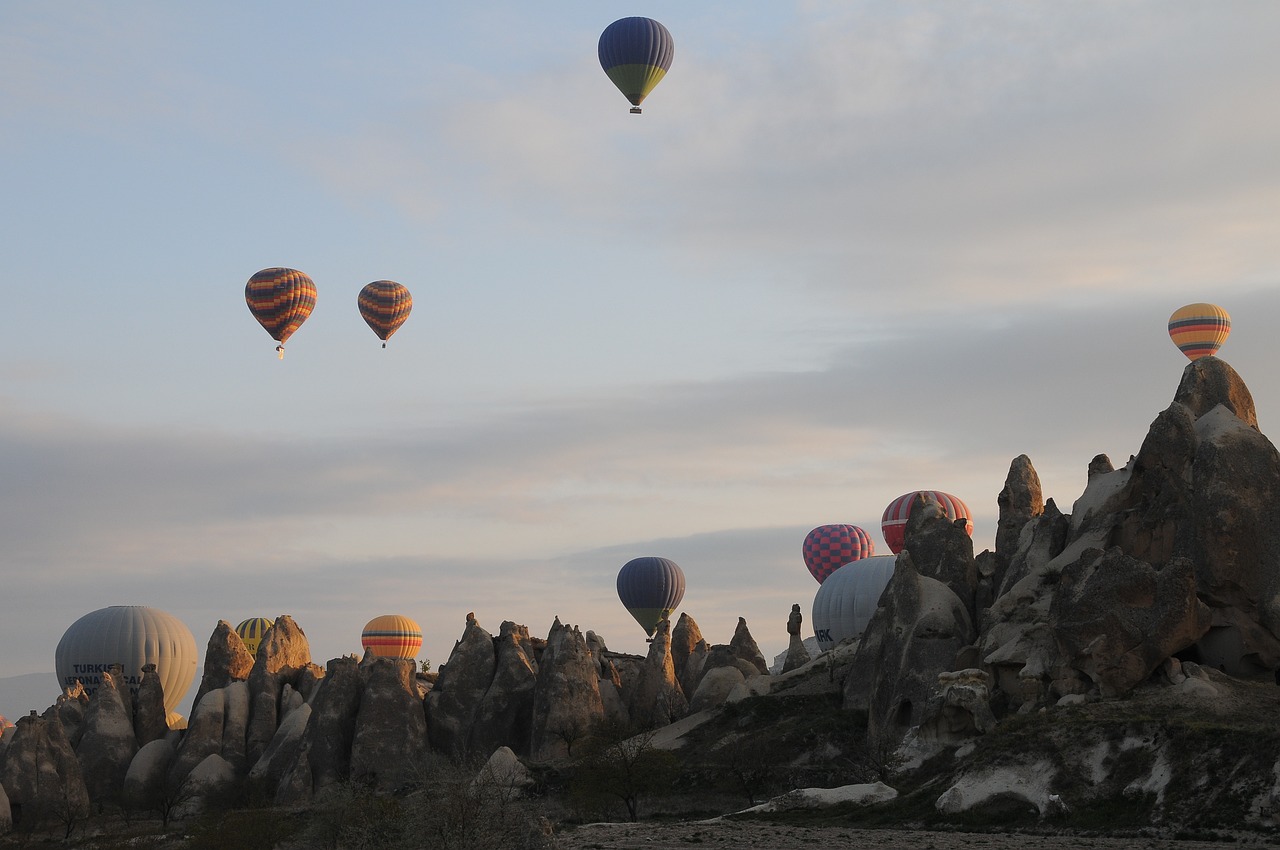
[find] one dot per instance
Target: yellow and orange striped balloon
(392, 636)
(384, 305)
(1199, 330)
(281, 300)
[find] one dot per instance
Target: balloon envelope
(280, 299)
(384, 305)
(1199, 330)
(636, 53)
(131, 636)
(650, 588)
(392, 636)
(848, 598)
(829, 547)
(252, 631)
(894, 522)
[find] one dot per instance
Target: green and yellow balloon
(636, 53)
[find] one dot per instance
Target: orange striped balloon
(392, 636)
(1199, 330)
(384, 305)
(281, 300)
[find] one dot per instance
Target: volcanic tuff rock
(941, 549)
(797, 654)
(567, 701)
(685, 637)
(324, 754)
(148, 775)
(108, 743)
(1116, 619)
(504, 717)
(225, 660)
(204, 735)
(69, 708)
(744, 646)
(916, 633)
(1177, 552)
(1020, 501)
(653, 697)
(150, 719)
(463, 682)
(282, 752)
(390, 740)
(40, 773)
(284, 657)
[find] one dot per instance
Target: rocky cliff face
(1174, 556)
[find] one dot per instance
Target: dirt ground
(731, 834)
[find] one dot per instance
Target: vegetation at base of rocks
(618, 767)
(243, 829)
(451, 810)
(764, 746)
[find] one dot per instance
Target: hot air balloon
(636, 53)
(650, 589)
(385, 305)
(280, 299)
(844, 604)
(252, 631)
(1199, 330)
(894, 522)
(829, 547)
(392, 636)
(131, 636)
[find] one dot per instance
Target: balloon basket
(635, 110)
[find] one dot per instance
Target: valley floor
(756, 834)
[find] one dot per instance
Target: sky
(848, 251)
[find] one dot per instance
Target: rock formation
(390, 739)
(324, 754)
(40, 774)
(456, 697)
(225, 660)
(150, 719)
(1174, 554)
(284, 658)
(797, 655)
(744, 646)
(1116, 619)
(567, 703)
(504, 717)
(685, 637)
(916, 633)
(108, 743)
(653, 696)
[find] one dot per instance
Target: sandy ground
(730, 834)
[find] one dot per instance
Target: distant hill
(20, 695)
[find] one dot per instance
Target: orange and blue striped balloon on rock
(636, 53)
(384, 305)
(281, 300)
(392, 636)
(1199, 330)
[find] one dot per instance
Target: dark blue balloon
(650, 588)
(636, 53)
